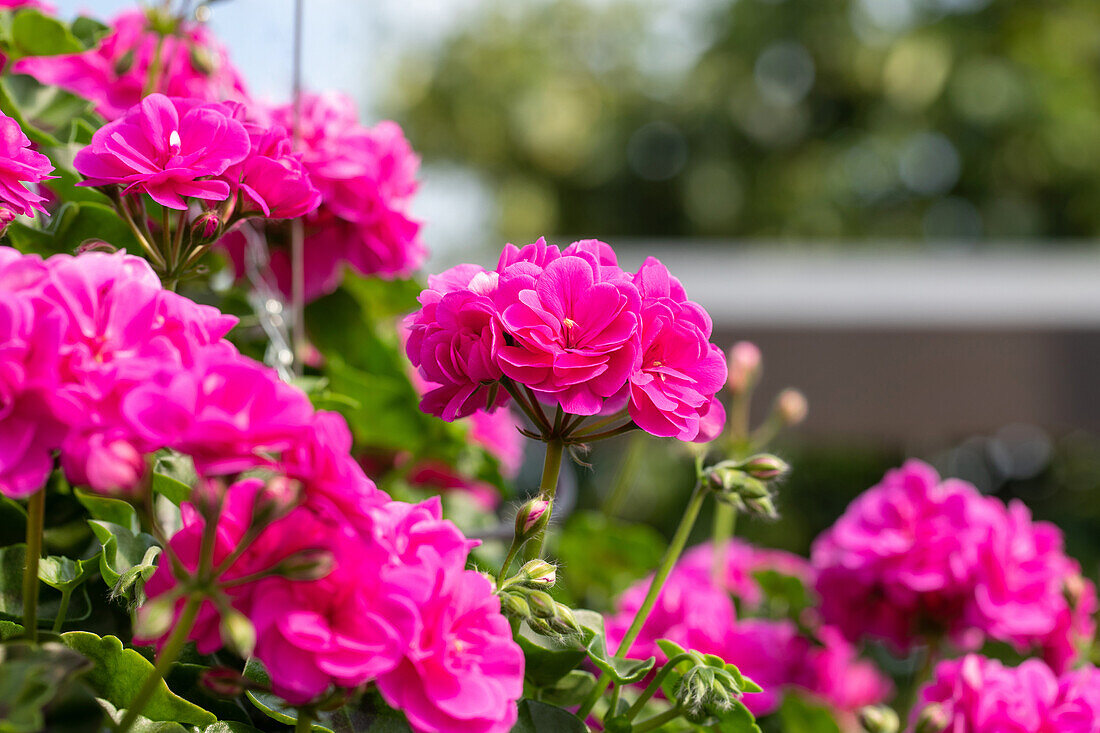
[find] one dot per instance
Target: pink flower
(227, 412)
(271, 178)
(573, 328)
(834, 673)
(44, 7)
(168, 148)
(681, 371)
(979, 695)
(192, 65)
(453, 340)
(108, 464)
(30, 338)
(366, 178)
(436, 476)
(19, 165)
(904, 558)
(462, 672)
(1029, 593)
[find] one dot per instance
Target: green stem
(625, 477)
(672, 554)
(658, 720)
(521, 401)
(908, 697)
(551, 468)
(516, 544)
(536, 406)
(62, 610)
(36, 519)
(165, 660)
(304, 724)
(655, 685)
(602, 422)
(153, 74)
(614, 432)
(140, 236)
(725, 523)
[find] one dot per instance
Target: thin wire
(297, 229)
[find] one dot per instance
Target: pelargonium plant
(209, 522)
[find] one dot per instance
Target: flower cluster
(915, 557)
(366, 178)
(19, 166)
(143, 52)
(577, 331)
(980, 695)
(396, 606)
(174, 149)
(697, 613)
(105, 366)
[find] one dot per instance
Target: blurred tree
(771, 118)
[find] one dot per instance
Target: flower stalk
(36, 519)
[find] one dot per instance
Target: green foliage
(798, 715)
(538, 717)
(12, 562)
(623, 671)
(71, 226)
(601, 557)
(128, 558)
(39, 689)
(771, 120)
(119, 673)
(29, 32)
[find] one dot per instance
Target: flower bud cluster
(744, 484)
(524, 597)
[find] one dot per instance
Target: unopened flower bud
(765, 466)
(223, 682)
(540, 573)
(312, 564)
(207, 497)
(513, 604)
(933, 719)
(564, 622)
(237, 632)
(532, 517)
(275, 500)
(791, 406)
(541, 626)
(763, 507)
(743, 367)
(879, 719)
(154, 618)
(206, 224)
(201, 60)
(124, 63)
(542, 604)
(105, 464)
(7, 216)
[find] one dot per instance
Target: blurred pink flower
(168, 148)
(497, 432)
(743, 561)
(904, 558)
(439, 477)
(19, 166)
(114, 75)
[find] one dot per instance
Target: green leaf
(538, 717)
(268, 702)
(70, 226)
(604, 556)
(230, 726)
(89, 30)
(800, 716)
(13, 560)
(623, 671)
(548, 659)
(785, 595)
(62, 572)
(175, 491)
(49, 109)
(35, 34)
(142, 724)
(119, 673)
(124, 553)
(34, 679)
(10, 630)
(739, 720)
(110, 510)
(570, 690)
(11, 107)
(186, 681)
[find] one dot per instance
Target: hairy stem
(551, 468)
(36, 519)
(655, 685)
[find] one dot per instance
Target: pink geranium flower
(904, 558)
(169, 148)
(573, 327)
(742, 561)
(674, 388)
(979, 695)
(19, 166)
(114, 75)
(453, 340)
